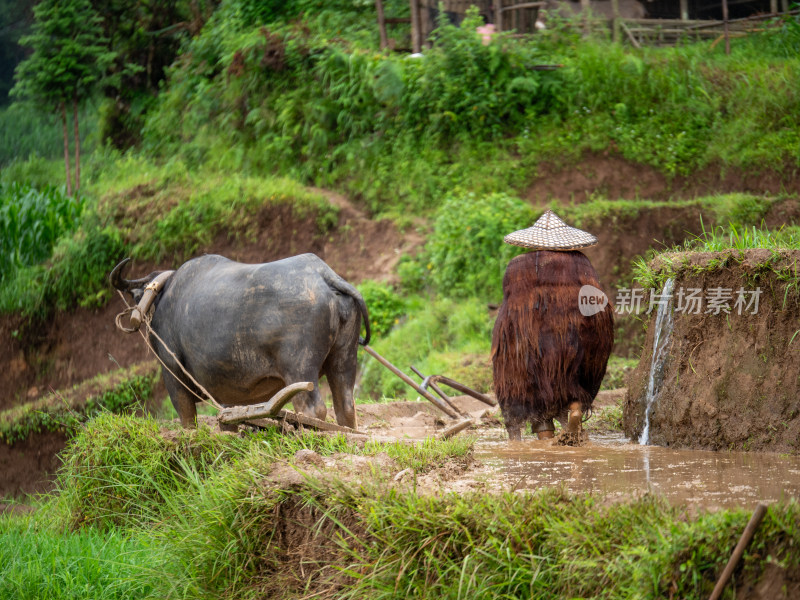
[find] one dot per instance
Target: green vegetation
(466, 255)
(124, 470)
(66, 410)
(729, 246)
(32, 221)
(36, 562)
(385, 306)
(254, 91)
(68, 61)
(185, 210)
(228, 516)
(617, 372)
(27, 133)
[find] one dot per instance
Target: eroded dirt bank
(730, 381)
(614, 177)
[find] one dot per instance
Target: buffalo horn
(126, 285)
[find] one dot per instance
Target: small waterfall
(660, 341)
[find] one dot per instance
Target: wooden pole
(427, 22)
(381, 23)
(630, 35)
(615, 29)
(450, 431)
(747, 536)
(727, 32)
(498, 15)
(424, 393)
(684, 10)
(773, 6)
(585, 12)
(416, 25)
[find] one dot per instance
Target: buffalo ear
(137, 294)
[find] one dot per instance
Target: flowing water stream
(661, 335)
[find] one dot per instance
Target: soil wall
(730, 381)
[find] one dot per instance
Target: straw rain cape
(545, 353)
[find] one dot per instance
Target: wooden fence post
(498, 15)
(416, 26)
(615, 29)
(585, 13)
(381, 23)
(727, 32)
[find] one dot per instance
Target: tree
(16, 18)
(69, 59)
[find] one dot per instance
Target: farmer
(554, 331)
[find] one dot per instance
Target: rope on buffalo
(146, 322)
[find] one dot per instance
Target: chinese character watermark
(692, 301)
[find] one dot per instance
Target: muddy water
(615, 467)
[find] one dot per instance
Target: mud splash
(616, 468)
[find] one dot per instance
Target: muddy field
(608, 464)
(712, 359)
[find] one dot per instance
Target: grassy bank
(201, 515)
(123, 391)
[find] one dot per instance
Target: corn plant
(31, 221)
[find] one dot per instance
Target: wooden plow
(271, 413)
(460, 420)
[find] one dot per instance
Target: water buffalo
(246, 331)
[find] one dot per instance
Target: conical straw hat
(551, 233)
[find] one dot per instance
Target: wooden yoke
(151, 290)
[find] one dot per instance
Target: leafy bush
(438, 337)
(284, 95)
(385, 307)
(466, 256)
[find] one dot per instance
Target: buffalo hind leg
(340, 370)
(184, 403)
(309, 403)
